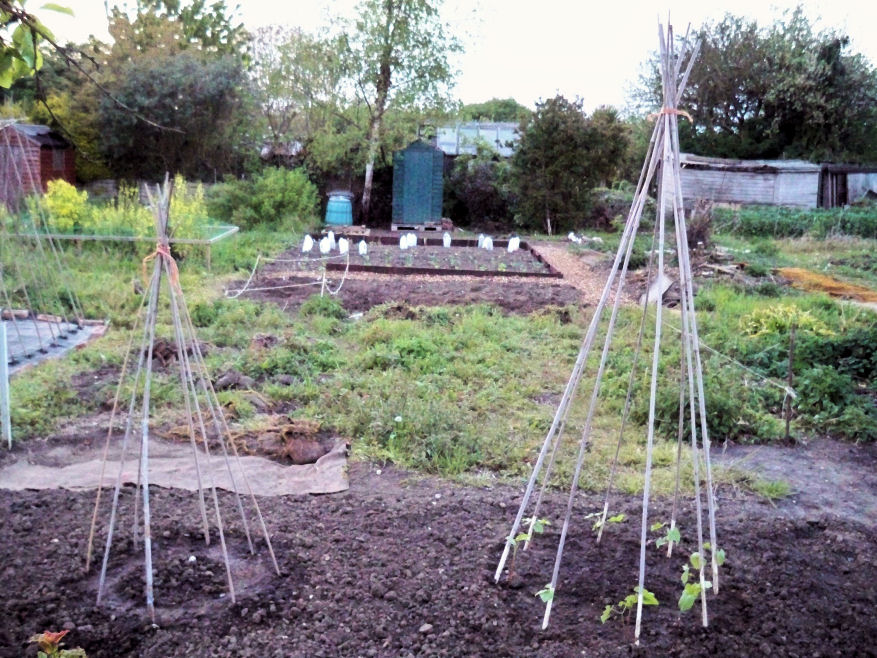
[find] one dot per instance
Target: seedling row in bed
(463, 257)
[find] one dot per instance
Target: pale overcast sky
(530, 50)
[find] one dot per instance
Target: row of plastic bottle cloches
(328, 243)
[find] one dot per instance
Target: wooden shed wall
(858, 185)
(748, 187)
(797, 189)
(727, 186)
(57, 163)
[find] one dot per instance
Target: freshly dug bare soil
(402, 566)
(362, 292)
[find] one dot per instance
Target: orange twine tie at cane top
(164, 251)
(670, 110)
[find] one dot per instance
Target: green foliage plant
(692, 590)
(780, 318)
(67, 208)
(126, 215)
(546, 594)
(671, 534)
(598, 519)
(22, 40)
(550, 166)
(627, 604)
(534, 525)
(323, 305)
(276, 197)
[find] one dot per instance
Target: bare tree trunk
(382, 87)
(374, 140)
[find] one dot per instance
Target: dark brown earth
(401, 566)
(360, 293)
(282, 282)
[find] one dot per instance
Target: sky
(529, 50)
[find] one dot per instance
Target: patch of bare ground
(402, 565)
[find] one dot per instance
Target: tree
(477, 187)
(561, 156)
(197, 106)
(22, 39)
(496, 109)
(176, 88)
(776, 92)
(296, 78)
(610, 143)
(397, 56)
(174, 26)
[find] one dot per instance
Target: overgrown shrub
(477, 189)
(282, 198)
(126, 215)
(67, 208)
(737, 410)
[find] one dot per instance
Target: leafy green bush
(829, 403)
(852, 353)
(125, 216)
(187, 211)
(282, 198)
(67, 208)
(736, 410)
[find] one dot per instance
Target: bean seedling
(533, 525)
(618, 518)
(546, 593)
(672, 534)
(628, 603)
(690, 590)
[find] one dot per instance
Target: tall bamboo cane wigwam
(662, 160)
(207, 427)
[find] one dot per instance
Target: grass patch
(469, 391)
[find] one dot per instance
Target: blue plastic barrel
(339, 210)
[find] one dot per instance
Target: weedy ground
(469, 391)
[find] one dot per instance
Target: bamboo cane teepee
(662, 160)
(207, 427)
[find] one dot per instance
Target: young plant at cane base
(50, 646)
(628, 603)
(672, 534)
(546, 593)
(533, 525)
(691, 591)
(618, 518)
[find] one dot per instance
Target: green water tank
(339, 210)
(417, 184)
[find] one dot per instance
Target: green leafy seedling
(546, 593)
(623, 607)
(534, 525)
(537, 525)
(671, 535)
(618, 518)
(692, 590)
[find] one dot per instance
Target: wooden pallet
(416, 227)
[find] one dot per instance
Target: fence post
(4, 386)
